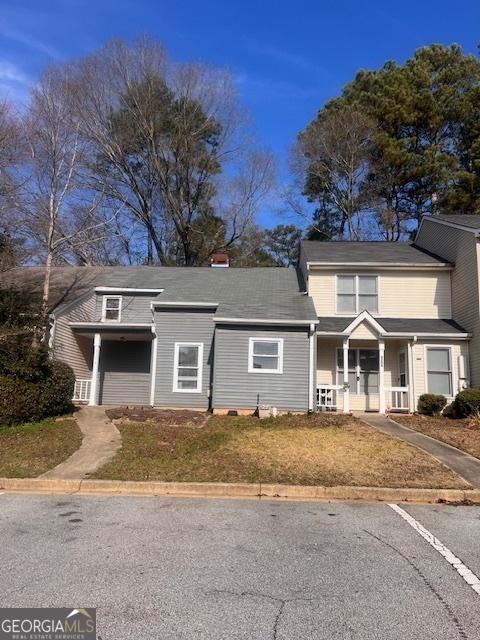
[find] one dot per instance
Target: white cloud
(10, 72)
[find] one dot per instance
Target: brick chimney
(219, 259)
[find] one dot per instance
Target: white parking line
(470, 578)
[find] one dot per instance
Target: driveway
(218, 569)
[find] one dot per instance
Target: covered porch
(121, 360)
(362, 369)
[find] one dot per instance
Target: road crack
(462, 634)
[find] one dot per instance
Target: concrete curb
(237, 490)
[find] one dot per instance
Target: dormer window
(111, 308)
(356, 294)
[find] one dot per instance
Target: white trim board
(305, 323)
(126, 290)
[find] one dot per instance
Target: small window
(187, 372)
(265, 355)
(439, 371)
(357, 293)
(112, 308)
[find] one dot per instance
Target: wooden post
(97, 341)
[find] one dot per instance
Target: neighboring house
(197, 337)
(385, 332)
(367, 326)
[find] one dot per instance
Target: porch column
(97, 341)
(346, 391)
(381, 375)
(153, 369)
(411, 388)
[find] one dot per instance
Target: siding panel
(182, 325)
(124, 372)
(76, 351)
(462, 248)
(235, 388)
(135, 308)
(415, 294)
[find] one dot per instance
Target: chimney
(219, 259)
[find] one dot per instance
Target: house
(360, 326)
(385, 331)
(196, 337)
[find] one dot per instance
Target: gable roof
(460, 220)
(259, 293)
(374, 253)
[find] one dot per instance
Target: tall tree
(283, 243)
(169, 144)
(59, 217)
(333, 153)
(425, 151)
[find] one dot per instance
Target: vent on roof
(219, 259)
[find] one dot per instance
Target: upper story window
(265, 355)
(357, 293)
(112, 308)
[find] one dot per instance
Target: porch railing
(397, 398)
(327, 396)
(81, 391)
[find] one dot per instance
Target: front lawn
(459, 433)
(322, 449)
(28, 450)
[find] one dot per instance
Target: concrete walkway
(462, 463)
(101, 440)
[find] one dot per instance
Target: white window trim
(356, 312)
(453, 380)
(176, 389)
(104, 308)
(252, 341)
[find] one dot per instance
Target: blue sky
(287, 57)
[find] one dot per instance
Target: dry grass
(463, 434)
(28, 450)
(311, 450)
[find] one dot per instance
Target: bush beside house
(32, 386)
(431, 404)
(467, 403)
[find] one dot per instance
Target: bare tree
(332, 156)
(58, 215)
(165, 140)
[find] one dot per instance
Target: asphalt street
(216, 569)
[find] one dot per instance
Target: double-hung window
(357, 293)
(265, 355)
(187, 371)
(112, 308)
(439, 370)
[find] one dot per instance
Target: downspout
(51, 335)
(311, 339)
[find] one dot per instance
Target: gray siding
(182, 325)
(124, 372)
(235, 388)
(135, 308)
(74, 350)
(461, 248)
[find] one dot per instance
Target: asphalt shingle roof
(396, 325)
(360, 252)
(259, 293)
(471, 221)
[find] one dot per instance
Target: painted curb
(238, 490)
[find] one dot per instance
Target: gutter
(445, 266)
(267, 321)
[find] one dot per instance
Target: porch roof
(398, 326)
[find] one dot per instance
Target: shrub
(450, 411)
(467, 402)
(431, 404)
(33, 387)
